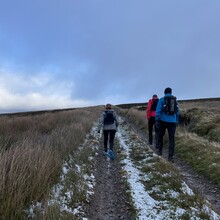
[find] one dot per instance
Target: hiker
(151, 112)
(108, 121)
(167, 116)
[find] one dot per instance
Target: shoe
(111, 155)
(105, 153)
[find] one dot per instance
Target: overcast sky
(75, 53)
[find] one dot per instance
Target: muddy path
(110, 200)
(194, 180)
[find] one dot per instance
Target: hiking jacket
(150, 113)
(161, 115)
(109, 126)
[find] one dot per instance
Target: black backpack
(154, 105)
(170, 105)
(109, 118)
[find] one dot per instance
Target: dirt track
(110, 200)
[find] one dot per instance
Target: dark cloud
(124, 48)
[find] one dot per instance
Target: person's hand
(98, 131)
(157, 124)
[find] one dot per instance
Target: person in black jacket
(108, 122)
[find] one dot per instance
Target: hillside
(52, 166)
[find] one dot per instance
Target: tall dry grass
(203, 155)
(135, 116)
(32, 150)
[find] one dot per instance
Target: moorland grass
(32, 151)
(202, 154)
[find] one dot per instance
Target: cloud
(38, 92)
(93, 52)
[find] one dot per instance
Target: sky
(58, 54)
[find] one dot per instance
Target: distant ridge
(129, 105)
(20, 114)
(141, 105)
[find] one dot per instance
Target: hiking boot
(111, 155)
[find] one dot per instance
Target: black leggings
(171, 128)
(151, 123)
(109, 135)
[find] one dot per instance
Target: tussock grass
(205, 123)
(27, 172)
(203, 155)
(206, 104)
(32, 151)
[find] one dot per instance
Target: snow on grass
(160, 208)
(63, 193)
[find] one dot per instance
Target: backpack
(154, 104)
(109, 118)
(170, 105)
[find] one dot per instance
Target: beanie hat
(168, 90)
(155, 96)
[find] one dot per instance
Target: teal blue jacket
(162, 116)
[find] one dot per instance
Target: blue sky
(75, 53)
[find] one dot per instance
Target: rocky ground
(110, 200)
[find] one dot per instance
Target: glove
(98, 131)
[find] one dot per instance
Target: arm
(116, 119)
(148, 108)
(101, 121)
(177, 113)
(159, 110)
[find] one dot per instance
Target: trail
(194, 180)
(111, 200)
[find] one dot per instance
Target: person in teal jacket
(167, 116)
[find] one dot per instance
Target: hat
(108, 106)
(154, 96)
(168, 90)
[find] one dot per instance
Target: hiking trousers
(109, 136)
(171, 128)
(151, 122)
(151, 126)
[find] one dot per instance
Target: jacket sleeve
(116, 119)
(159, 109)
(101, 121)
(177, 113)
(149, 104)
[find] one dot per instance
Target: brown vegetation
(32, 150)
